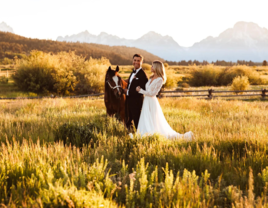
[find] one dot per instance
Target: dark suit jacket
(134, 98)
(140, 80)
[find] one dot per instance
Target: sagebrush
(63, 73)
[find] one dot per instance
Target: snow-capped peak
(5, 28)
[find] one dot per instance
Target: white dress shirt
(132, 77)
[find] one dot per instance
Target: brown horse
(114, 97)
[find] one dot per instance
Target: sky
(186, 21)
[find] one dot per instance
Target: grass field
(225, 165)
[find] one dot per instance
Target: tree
(264, 63)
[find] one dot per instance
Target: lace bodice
(153, 88)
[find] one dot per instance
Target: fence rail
(53, 96)
(263, 93)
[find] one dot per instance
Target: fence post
(210, 93)
(263, 91)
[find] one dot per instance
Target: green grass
(9, 90)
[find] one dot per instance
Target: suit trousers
(134, 106)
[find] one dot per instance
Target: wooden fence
(263, 93)
(97, 96)
(201, 94)
(6, 73)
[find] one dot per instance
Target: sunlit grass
(227, 164)
(231, 137)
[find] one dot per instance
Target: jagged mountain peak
(5, 28)
(154, 38)
(86, 32)
(103, 34)
(245, 25)
(243, 41)
(164, 46)
(151, 34)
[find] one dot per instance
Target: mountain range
(245, 41)
(163, 46)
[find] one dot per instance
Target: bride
(152, 119)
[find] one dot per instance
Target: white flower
(132, 176)
(131, 135)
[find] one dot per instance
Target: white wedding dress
(152, 119)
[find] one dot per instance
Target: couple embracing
(142, 106)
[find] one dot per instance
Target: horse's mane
(106, 75)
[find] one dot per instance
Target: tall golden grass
(226, 166)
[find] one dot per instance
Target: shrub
(216, 76)
(91, 76)
(3, 80)
(240, 83)
(7, 61)
(63, 73)
(230, 73)
(76, 135)
(206, 76)
(231, 194)
(32, 94)
(185, 85)
(172, 79)
(146, 67)
(43, 73)
(166, 65)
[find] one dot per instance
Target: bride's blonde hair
(160, 70)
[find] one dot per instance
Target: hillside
(121, 55)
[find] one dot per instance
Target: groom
(134, 99)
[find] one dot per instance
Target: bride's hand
(138, 88)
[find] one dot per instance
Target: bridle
(117, 86)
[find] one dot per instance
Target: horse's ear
(117, 69)
(109, 68)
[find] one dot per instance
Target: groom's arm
(143, 80)
(132, 91)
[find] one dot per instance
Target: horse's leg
(122, 115)
(123, 110)
(110, 112)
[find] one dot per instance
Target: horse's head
(114, 82)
